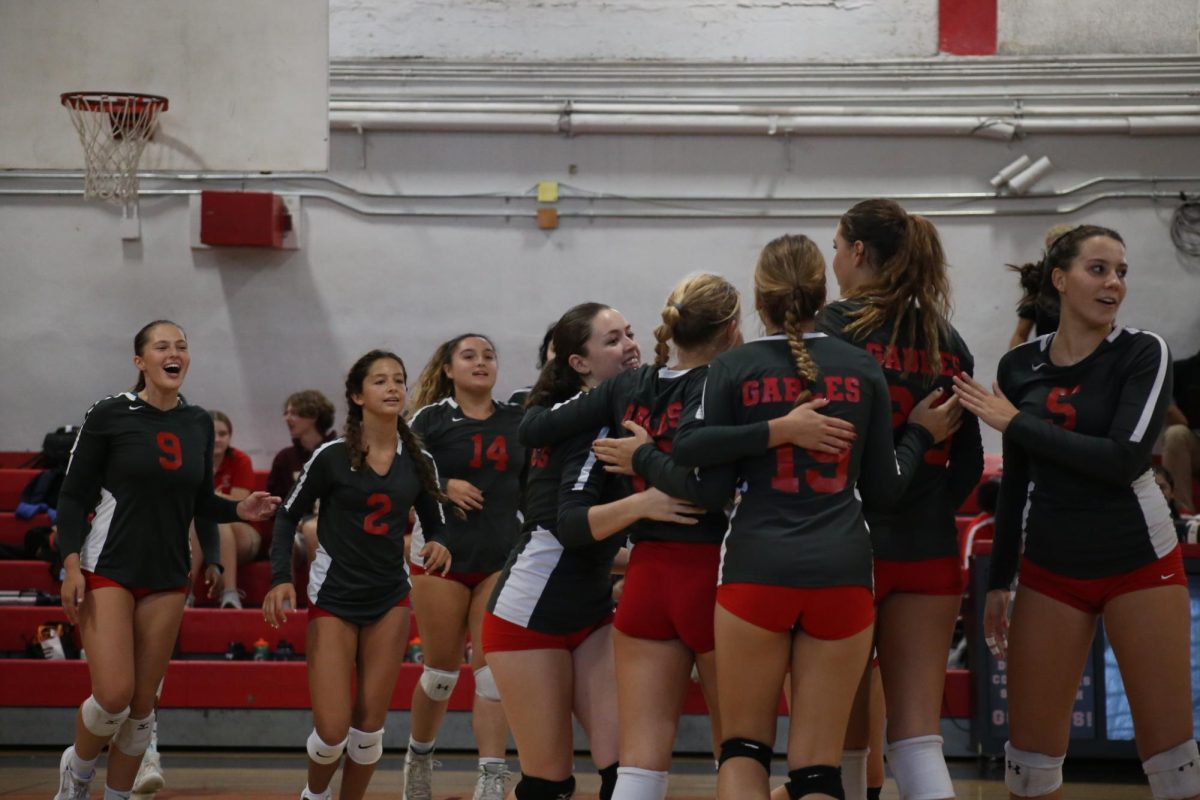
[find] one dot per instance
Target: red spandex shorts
(670, 590)
(834, 612)
(316, 612)
(92, 581)
(500, 635)
(1092, 594)
(467, 579)
(932, 576)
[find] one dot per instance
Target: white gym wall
(265, 323)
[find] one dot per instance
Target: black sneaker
(236, 652)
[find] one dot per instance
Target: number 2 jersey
(1077, 484)
(799, 521)
(921, 525)
(653, 397)
(486, 454)
(144, 473)
(359, 572)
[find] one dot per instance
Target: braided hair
(434, 384)
(357, 449)
(911, 287)
(789, 283)
(696, 311)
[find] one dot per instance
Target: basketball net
(114, 128)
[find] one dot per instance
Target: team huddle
(782, 511)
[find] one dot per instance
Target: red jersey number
(172, 457)
(497, 453)
(818, 480)
(539, 457)
(380, 505)
(902, 405)
(1064, 412)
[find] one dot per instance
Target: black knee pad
(608, 780)
(531, 788)
(817, 779)
(873, 792)
(746, 748)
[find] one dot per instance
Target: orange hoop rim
(114, 102)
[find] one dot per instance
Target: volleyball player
(473, 441)
(1080, 410)
(142, 465)
(895, 304)
(664, 620)
(547, 634)
(358, 586)
(795, 578)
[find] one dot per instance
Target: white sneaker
(492, 783)
(69, 786)
(150, 776)
(418, 775)
(309, 794)
(232, 598)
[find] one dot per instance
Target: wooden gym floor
(197, 775)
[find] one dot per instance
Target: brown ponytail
(558, 380)
(911, 288)
(789, 282)
(1060, 252)
(141, 339)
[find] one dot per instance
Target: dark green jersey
(799, 521)
(921, 526)
(486, 454)
(653, 397)
(144, 473)
(359, 572)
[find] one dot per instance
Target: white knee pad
(322, 752)
(485, 684)
(854, 774)
(1175, 773)
(920, 768)
(363, 747)
(634, 783)
(100, 722)
(438, 683)
(134, 736)
(1031, 774)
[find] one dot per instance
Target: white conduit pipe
(570, 122)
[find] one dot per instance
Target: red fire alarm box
(246, 219)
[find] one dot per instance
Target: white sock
(634, 783)
(79, 768)
(112, 794)
(854, 774)
(420, 748)
(484, 761)
(325, 795)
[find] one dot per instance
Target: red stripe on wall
(967, 27)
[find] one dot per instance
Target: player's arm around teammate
(358, 588)
(1097, 533)
(891, 270)
(143, 464)
(473, 442)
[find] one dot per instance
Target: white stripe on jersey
(575, 396)
(586, 472)
(1025, 514)
(93, 543)
(287, 504)
(527, 578)
(71, 457)
(317, 573)
(417, 543)
(1152, 399)
(1156, 513)
(725, 543)
(703, 396)
(444, 401)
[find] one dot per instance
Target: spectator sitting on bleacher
(1185, 526)
(309, 418)
(1181, 443)
(233, 478)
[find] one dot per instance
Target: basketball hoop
(114, 128)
